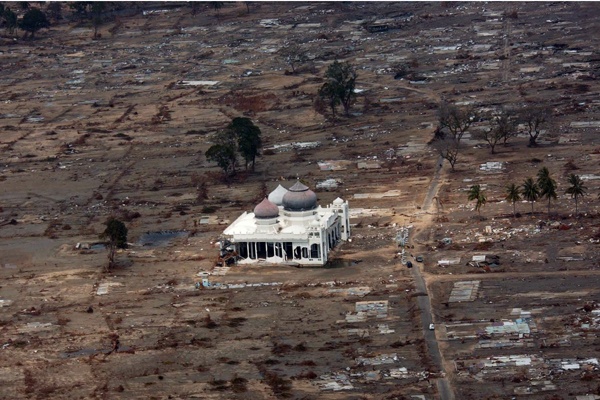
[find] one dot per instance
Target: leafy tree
(340, 85)
(513, 195)
(1, 10)
(33, 21)
(455, 119)
(577, 189)
(116, 233)
(225, 157)
(547, 185)
(10, 18)
(24, 5)
(293, 55)
(534, 117)
(248, 137)
(328, 95)
(475, 193)
(448, 149)
(530, 191)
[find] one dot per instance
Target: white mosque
(288, 227)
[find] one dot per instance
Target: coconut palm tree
(513, 195)
(475, 193)
(530, 191)
(547, 185)
(577, 188)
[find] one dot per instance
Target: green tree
(475, 193)
(339, 86)
(116, 234)
(455, 119)
(328, 95)
(225, 156)
(249, 140)
(513, 195)
(530, 191)
(10, 18)
(577, 189)
(547, 185)
(33, 21)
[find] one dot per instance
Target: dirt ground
(119, 126)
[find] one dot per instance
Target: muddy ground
(112, 126)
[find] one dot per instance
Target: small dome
(276, 196)
(299, 198)
(338, 202)
(266, 210)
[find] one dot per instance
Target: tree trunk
(532, 141)
(111, 256)
(576, 206)
(514, 210)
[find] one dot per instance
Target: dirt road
(424, 302)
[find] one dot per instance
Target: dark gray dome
(299, 198)
(266, 210)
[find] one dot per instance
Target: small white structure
(289, 227)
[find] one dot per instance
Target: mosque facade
(288, 227)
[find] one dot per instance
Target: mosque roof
(276, 196)
(266, 209)
(299, 198)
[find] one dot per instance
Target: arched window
(315, 251)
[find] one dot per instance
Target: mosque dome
(276, 196)
(299, 198)
(338, 202)
(266, 210)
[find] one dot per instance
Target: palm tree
(577, 188)
(530, 191)
(547, 185)
(475, 193)
(513, 195)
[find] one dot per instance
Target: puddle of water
(162, 238)
(97, 246)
